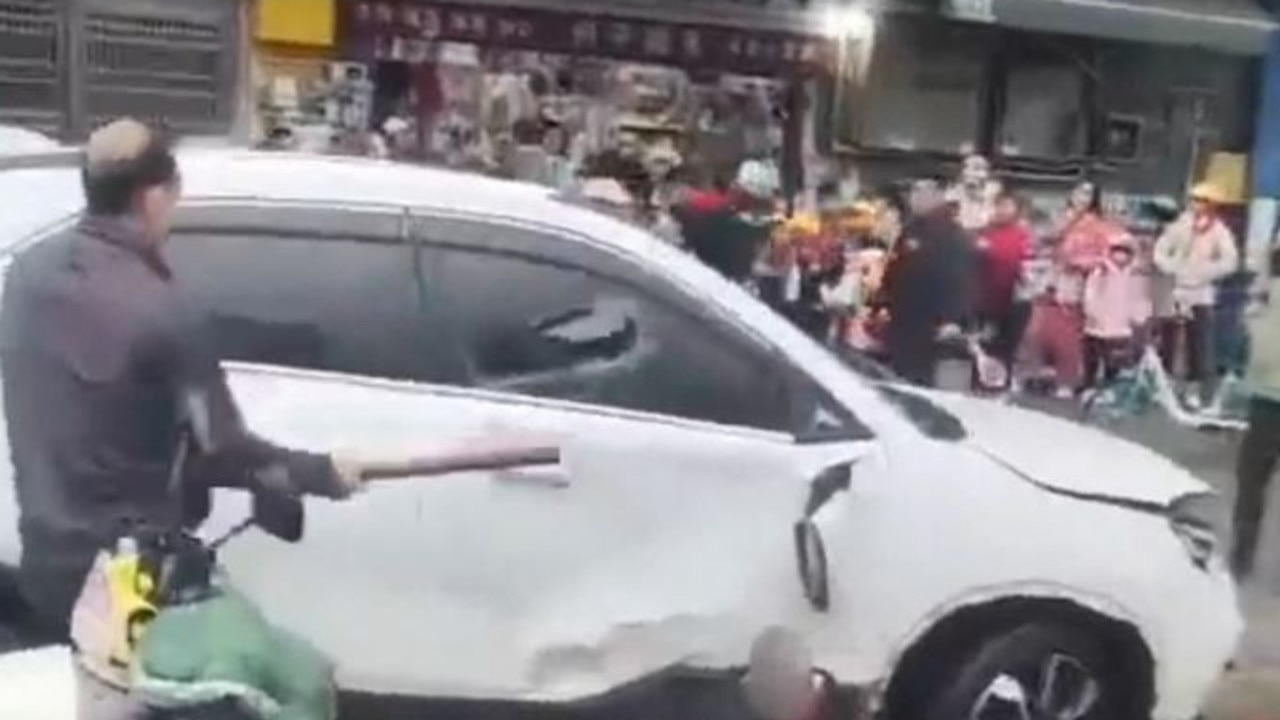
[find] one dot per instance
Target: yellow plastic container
(130, 588)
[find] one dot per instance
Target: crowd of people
(943, 269)
(955, 270)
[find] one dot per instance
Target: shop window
(923, 88)
(538, 327)
(1044, 114)
(335, 305)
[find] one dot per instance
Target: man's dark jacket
(98, 354)
(723, 238)
(930, 281)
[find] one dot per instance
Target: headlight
(1199, 520)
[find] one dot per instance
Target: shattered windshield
(931, 420)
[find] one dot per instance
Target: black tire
(981, 681)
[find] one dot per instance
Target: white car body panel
(671, 543)
(38, 685)
(20, 141)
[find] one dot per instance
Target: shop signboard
(296, 22)
(373, 28)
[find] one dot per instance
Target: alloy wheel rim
(1060, 688)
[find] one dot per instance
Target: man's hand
(332, 476)
(348, 475)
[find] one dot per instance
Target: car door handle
(548, 478)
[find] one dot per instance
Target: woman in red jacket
(1005, 245)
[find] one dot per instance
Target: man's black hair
(109, 188)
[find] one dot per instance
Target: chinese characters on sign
(377, 23)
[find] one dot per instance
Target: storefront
(1139, 92)
(477, 81)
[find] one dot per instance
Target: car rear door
(316, 311)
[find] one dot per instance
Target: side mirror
(825, 485)
(279, 515)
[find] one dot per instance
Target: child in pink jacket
(1116, 305)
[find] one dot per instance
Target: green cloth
(224, 647)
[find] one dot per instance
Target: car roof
(209, 173)
(227, 174)
(16, 140)
(41, 190)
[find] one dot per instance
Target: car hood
(1068, 457)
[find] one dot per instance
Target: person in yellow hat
(1195, 252)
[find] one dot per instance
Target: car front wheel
(1034, 672)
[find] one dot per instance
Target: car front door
(681, 478)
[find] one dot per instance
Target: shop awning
(1232, 26)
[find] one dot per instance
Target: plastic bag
(223, 648)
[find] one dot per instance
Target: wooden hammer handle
(458, 461)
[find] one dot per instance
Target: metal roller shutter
(66, 66)
(31, 91)
(161, 69)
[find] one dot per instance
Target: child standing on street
(1116, 304)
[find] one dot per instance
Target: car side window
(542, 326)
(344, 305)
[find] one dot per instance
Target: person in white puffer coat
(1196, 251)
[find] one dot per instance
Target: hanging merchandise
(349, 96)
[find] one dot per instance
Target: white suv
(943, 556)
